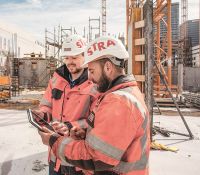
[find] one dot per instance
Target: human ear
(108, 67)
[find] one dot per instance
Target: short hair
(104, 60)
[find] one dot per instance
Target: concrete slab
(186, 160)
(20, 145)
(22, 151)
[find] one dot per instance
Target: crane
(103, 17)
(184, 10)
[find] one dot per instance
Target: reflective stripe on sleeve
(126, 167)
(125, 92)
(61, 149)
(142, 163)
(53, 159)
(103, 147)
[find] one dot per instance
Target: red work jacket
(118, 134)
(67, 101)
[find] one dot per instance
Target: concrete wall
(191, 78)
(33, 73)
(175, 76)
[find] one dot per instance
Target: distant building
(174, 26)
(189, 32)
(174, 22)
(195, 56)
(192, 31)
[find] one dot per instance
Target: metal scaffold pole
(176, 104)
(103, 17)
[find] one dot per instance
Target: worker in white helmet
(68, 98)
(117, 139)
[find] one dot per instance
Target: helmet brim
(71, 54)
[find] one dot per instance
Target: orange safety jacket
(68, 102)
(118, 134)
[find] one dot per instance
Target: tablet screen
(37, 121)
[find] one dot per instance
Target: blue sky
(15, 1)
(34, 16)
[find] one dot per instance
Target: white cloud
(36, 15)
(34, 2)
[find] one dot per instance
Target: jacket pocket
(56, 93)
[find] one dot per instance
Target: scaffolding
(14, 74)
(183, 49)
(184, 10)
(53, 45)
(162, 46)
(103, 17)
(94, 24)
(141, 17)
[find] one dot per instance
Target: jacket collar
(122, 79)
(64, 73)
(120, 82)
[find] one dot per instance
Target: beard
(73, 69)
(103, 83)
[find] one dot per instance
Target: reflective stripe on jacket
(118, 132)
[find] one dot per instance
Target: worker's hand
(44, 115)
(36, 113)
(77, 133)
(60, 128)
(45, 135)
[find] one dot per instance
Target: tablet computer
(38, 121)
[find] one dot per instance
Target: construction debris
(192, 99)
(158, 146)
(39, 166)
(161, 131)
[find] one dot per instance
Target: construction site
(164, 58)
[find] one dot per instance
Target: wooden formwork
(137, 41)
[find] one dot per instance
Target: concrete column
(180, 78)
(148, 34)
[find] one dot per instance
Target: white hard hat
(105, 47)
(73, 45)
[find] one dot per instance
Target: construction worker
(117, 138)
(68, 97)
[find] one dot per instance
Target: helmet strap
(118, 62)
